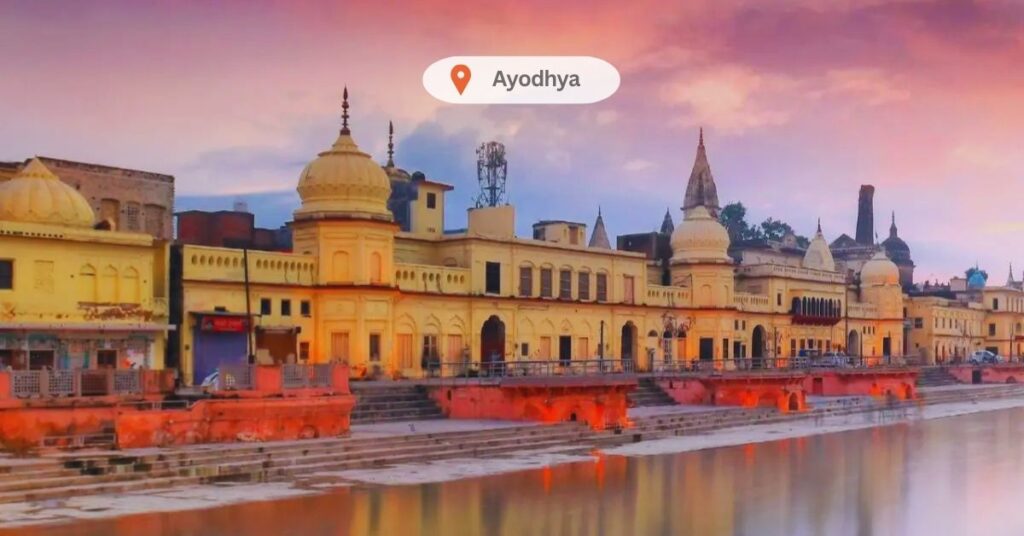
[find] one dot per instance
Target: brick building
(230, 229)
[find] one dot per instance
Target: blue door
(215, 348)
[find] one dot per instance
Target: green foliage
(734, 218)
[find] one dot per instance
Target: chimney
(866, 215)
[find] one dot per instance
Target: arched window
(796, 308)
(87, 284)
(340, 267)
(108, 285)
(130, 287)
(376, 267)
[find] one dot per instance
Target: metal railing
(776, 364)
(532, 368)
(235, 377)
(75, 382)
(306, 376)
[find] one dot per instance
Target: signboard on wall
(231, 324)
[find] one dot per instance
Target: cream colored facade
(944, 330)
(948, 330)
(72, 296)
(1003, 321)
(392, 302)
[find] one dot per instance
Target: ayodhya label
(521, 79)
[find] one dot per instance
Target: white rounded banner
(521, 79)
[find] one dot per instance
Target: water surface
(959, 475)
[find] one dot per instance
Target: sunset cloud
(801, 100)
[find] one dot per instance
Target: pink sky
(802, 101)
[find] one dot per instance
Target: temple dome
(879, 271)
(700, 238)
(818, 255)
(36, 195)
(895, 247)
(344, 182)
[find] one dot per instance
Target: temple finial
(700, 141)
(344, 111)
(391, 144)
(819, 225)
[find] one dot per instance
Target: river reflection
(961, 475)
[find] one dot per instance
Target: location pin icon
(460, 77)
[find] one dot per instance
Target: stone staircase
(388, 402)
(69, 475)
(935, 376)
(648, 393)
(695, 422)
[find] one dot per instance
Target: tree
(734, 218)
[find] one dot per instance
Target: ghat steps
(935, 376)
(156, 468)
(648, 394)
(390, 402)
(81, 473)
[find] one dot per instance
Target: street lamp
(673, 326)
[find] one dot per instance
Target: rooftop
(107, 170)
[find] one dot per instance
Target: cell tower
(491, 168)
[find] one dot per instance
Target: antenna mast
(491, 170)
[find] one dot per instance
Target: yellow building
(944, 330)
(358, 289)
(1005, 314)
(71, 295)
(949, 323)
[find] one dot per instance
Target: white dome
(818, 255)
(344, 181)
(879, 271)
(700, 238)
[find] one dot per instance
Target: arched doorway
(853, 343)
(492, 342)
(628, 343)
(794, 402)
(757, 346)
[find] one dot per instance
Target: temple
(367, 275)
(375, 281)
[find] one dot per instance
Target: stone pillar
(866, 215)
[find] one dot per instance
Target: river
(959, 475)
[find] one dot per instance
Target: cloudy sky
(802, 101)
